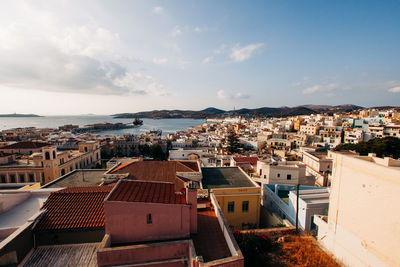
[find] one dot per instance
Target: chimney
(191, 199)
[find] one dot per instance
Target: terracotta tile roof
(157, 171)
(191, 164)
(144, 191)
(74, 208)
(251, 160)
(121, 166)
(209, 241)
(25, 145)
(246, 166)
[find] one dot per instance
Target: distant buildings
(48, 164)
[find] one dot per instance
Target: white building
(282, 172)
(363, 224)
(282, 199)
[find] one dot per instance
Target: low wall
(44, 238)
(154, 254)
(268, 219)
(273, 231)
(15, 247)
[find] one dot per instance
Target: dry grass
(303, 251)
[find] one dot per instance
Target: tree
(382, 147)
(232, 143)
(156, 152)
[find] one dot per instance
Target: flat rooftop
(224, 177)
(209, 242)
(64, 255)
(320, 155)
(20, 213)
(78, 178)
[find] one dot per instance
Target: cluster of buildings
(61, 204)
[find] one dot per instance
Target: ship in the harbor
(137, 122)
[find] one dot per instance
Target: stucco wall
(363, 225)
(137, 254)
(238, 195)
(127, 221)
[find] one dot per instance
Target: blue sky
(69, 57)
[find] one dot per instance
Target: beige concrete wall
(238, 195)
(364, 220)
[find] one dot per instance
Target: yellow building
(238, 196)
(49, 164)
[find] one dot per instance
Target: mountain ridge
(212, 112)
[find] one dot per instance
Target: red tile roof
(144, 191)
(209, 241)
(251, 160)
(74, 208)
(25, 145)
(191, 164)
(157, 171)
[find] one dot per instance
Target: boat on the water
(137, 122)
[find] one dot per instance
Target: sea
(166, 125)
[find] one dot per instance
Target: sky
(107, 57)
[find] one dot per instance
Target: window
(3, 178)
(265, 176)
(278, 175)
(47, 155)
(12, 178)
(54, 154)
(31, 177)
(149, 219)
(289, 177)
(245, 206)
(21, 178)
(231, 206)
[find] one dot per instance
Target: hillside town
(207, 195)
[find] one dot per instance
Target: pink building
(137, 211)
(150, 224)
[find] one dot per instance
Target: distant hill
(15, 115)
(216, 113)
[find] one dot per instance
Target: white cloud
(145, 84)
(182, 64)
(75, 59)
(321, 88)
(220, 49)
(395, 89)
(239, 54)
(176, 31)
(221, 94)
(295, 84)
(158, 10)
(160, 60)
(207, 60)
(241, 96)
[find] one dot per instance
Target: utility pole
(297, 208)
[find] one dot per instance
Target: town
(309, 190)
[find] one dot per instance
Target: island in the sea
(15, 115)
(217, 113)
